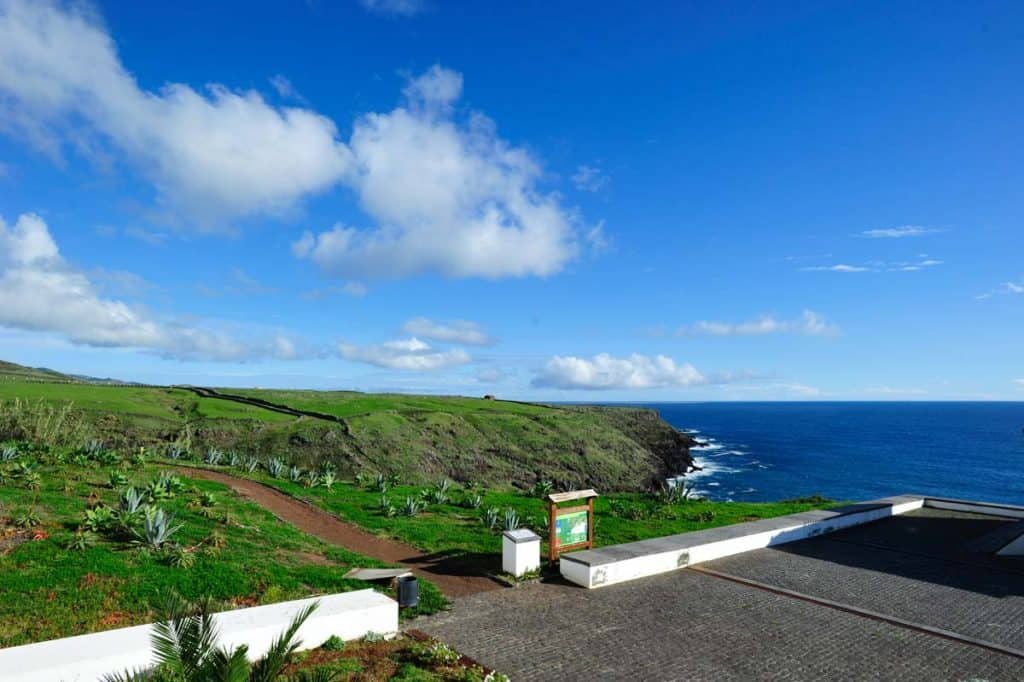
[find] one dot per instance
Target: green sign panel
(571, 528)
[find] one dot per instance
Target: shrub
(27, 518)
(80, 541)
(436, 654)
(543, 487)
(117, 479)
(99, 519)
(333, 643)
(179, 558)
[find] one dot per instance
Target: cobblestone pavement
(689, 626)
(975, 600)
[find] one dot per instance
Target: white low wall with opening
(86, 658)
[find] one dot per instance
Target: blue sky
(700, 201)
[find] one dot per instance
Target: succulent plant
(328, 479)
(8, 453)
(98, 519)
(252, 464)
(213, 457)
(295, 474)
(511, 519)
(381, 483)
(412, 506)
(276, 468)
(491, 517)
(158, 528)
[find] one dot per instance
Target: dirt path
(453, 578)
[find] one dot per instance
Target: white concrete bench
(85, 658)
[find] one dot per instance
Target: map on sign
(571, 528)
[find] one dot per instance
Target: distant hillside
(422, 438)
(10, 371)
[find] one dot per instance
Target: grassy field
(51, 588)
(457, 525)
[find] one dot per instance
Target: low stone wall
(620, 563)
(87, 658)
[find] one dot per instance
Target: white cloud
(1011, 288)
(41, 292)
(809, 323)
(217, 153)
(1019, 382)
(450, 197)
(589, 178)
(605, 371)
(897, 232)
(406, 354)
(401, 8)
(457, 331)
(922, 262)
(839, 267)
(285, 88)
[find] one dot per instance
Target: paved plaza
(902, 599)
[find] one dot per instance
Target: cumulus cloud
(458, 331)
(399, 8)
(604, 371)
(589, 178)
(809, 323)
(407, 354)
(897, 232)
(449, 196)
(41, 292)
(218, 153)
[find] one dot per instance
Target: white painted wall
(86, 658)
(663, 562)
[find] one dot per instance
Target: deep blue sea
(855, 451)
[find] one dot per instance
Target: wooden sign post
(570, 527)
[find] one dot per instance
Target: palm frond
(269, 667)
(186, 639)
(225, 665)
(138, 675)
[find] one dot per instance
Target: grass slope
(421, 437)
(49, 590)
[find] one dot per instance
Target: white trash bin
(520, 551)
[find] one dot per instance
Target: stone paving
(687, 625)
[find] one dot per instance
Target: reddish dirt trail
(453, 579)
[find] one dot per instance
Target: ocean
(855, 450)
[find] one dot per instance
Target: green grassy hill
(422, 438)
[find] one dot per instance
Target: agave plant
(511, 519)
(328, 479)
(381, 483)
(32, 480)
(385, 506)
(311, 480)
(8, 453)
(295, 474)
(393, 479)
(491, 517)
(252, 464)
(175, 453)
(412, 506)
(213, 457)
(132, 501)
(276, 468)
(443, 485)
(117, 479)
(157, 528)
(80, 541)
(474, 501)
(185, 647)
(234, 460)
(436, 496)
